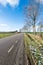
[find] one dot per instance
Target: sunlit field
(3, 35)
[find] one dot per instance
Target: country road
(12, 50)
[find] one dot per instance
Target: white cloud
(3, 2)
(12, 3)
(4, 27)
(41, 1)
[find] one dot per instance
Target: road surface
(12, 50)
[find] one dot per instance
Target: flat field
(2, 35)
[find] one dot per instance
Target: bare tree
(41, 27)
(31, 13)
(25, 28)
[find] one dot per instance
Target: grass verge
(34, 52)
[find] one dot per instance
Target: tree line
(31, 16)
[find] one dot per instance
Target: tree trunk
(34, 29)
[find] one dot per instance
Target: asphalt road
(12, 50)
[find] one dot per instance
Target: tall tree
(41, 27)
(31, 13)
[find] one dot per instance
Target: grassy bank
(34, 49)
(40, 34)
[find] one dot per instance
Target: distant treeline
(9, 32)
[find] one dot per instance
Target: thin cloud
(12, 3)
(4, 27)
(41, 1)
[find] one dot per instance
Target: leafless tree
(31, 13)
(25, 28)
(41, 27)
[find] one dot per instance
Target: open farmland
(34, 49)
(2, 35)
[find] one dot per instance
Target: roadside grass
(28, 51)
(35, 32)
(34, 50)
(40, 34)
(36, 38)
(3, 35)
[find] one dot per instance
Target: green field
(2, 35)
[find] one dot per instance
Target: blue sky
(11, 14)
